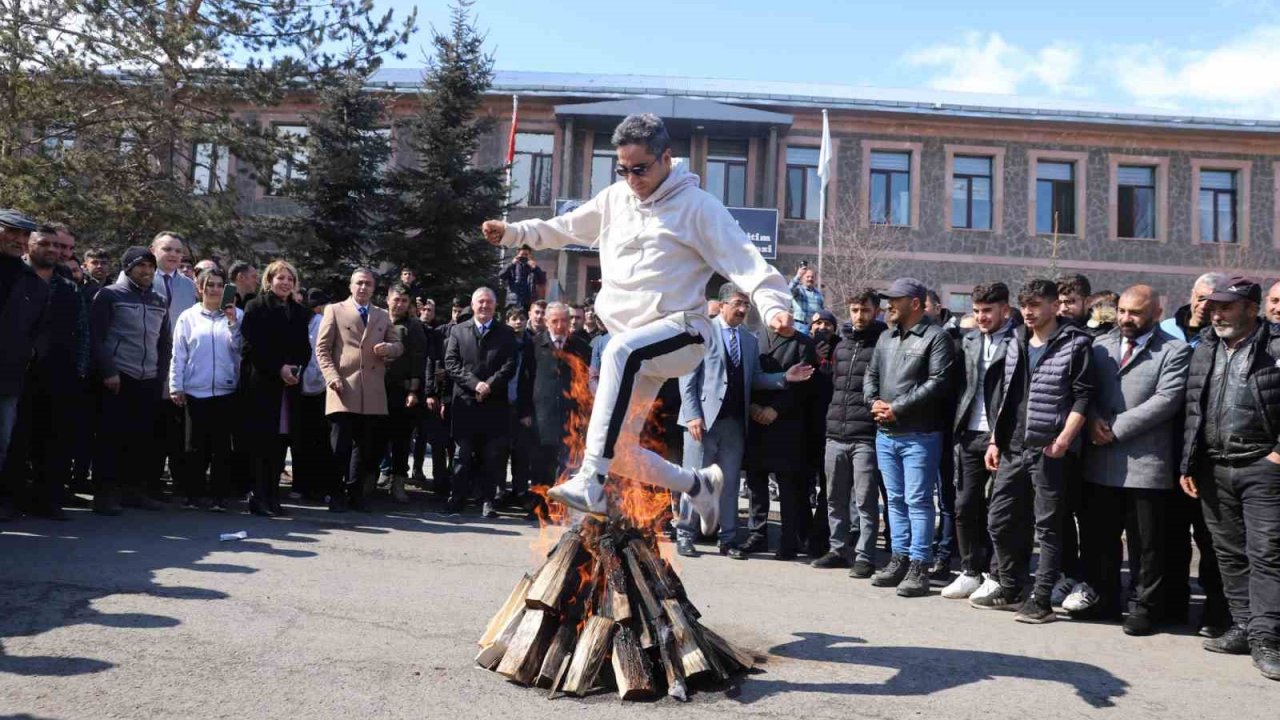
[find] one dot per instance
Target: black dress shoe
(785, 555)
(1235, 641)
(259, 508)
(685, 548)
(277, 510)
(831, 560)
(1138, 625)
(755, 544)
(732, 550)
(1266, 657)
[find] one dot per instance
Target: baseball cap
(906, 287)
(1237, 288)
(16, 220)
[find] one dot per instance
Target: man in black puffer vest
(1047, 388)
(853, 483)
(1231, 461)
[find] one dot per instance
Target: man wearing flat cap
(907, 385)
(1231, 461)
(23, 297)
(131, 343)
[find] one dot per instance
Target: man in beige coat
(353, 345)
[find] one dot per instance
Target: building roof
(847, 97)
(676, 112)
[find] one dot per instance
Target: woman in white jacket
(660, 237)
(203, 377)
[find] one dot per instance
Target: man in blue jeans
(908, 384)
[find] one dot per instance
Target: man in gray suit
(178, 294)
(715, 400)
(1130, 461)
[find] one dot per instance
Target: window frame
(1079, 176)
(536, 161)
(804, 184)
(1161, 166)
(996, 155)
(916, 149)
(221, 176)
(281, 188)
(729, 162)
(1244, 179)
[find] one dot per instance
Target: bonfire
(605, 609)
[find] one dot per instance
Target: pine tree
(440, 201)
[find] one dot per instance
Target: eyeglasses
(637, 170)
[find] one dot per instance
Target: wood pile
(606, 611)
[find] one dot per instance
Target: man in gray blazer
(1131, 461)
(715, 401)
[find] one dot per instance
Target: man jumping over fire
(660, 238)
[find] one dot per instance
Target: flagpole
(511, 157)
(824, 171)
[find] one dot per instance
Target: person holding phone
(275, 348)
(203, 377)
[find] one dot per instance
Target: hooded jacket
(848, 416)
(657, 254)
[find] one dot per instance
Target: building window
(1055, 198)
(971, 193)
(1136, 201)
(890, 188)
(288, 171)
(1218, 191)
(531, 170)
(960, 303)
(57, 142)
(604, 158)
(209, 163)
(803, 184)
(727, 171)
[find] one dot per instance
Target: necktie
(1128, 352)
(481, 330)
(559, 344)
(364, 315)
(735, 352)
(168, 291)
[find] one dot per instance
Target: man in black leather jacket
(1231, 461)
(908, 382)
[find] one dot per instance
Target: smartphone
(804, 263)
(228, 296)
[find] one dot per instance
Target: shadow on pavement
(926, 670)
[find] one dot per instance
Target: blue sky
(1207, 57)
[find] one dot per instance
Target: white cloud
(987, 63)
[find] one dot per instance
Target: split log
(690, 653)
(557, 652)
(523, 658)
(651, 606)
(737, 655)
(492, 655)
(557, 577)
(670, 654)
(631, 667)
(588, 656)
(656, 568)
(709, 652)
(616, 603)
(514, 602)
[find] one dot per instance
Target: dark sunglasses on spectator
(637, 170)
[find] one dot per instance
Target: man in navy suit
(713, 411)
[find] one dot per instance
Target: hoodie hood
(678, 179)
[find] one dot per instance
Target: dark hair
(1074, 283)
(644, 129)
(540, 303)
(207, 273)
(933, 295)
(996, 292)
(525, 246)
(865, 296)
(406, 268)
(1040, 289)
(239, 268)
(57, 227)
(98, 254)
(398, 289)
(516, 314)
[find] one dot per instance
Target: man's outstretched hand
(783, 324)
(493, 231)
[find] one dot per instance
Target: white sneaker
(582, 492)
(1082, 597)
(962, 587)
(988, 586)
(707, 501)
(1061, 589)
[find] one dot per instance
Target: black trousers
(433, 431)
(126, 442)
(1242, 510)
(972, 476)
(171, 446)
(1028, 497)
(523, 451)
(793, 504)
(478, 466)
(354, 439)
(945, 543)
(38, 466)
(399, 426)
(207, 466)
(1186, 525)
(314, 470)
(83, 425)
(1139, 516)
(1072, 489)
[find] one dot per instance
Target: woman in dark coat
(276, 350)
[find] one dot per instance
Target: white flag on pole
(824, 155)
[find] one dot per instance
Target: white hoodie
(657, 255)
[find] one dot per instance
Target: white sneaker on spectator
(988, 586)
(1061, 589)
(1082, 597)
(962, 587)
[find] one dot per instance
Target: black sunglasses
(637, 170)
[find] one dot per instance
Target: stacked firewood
(605, 610)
